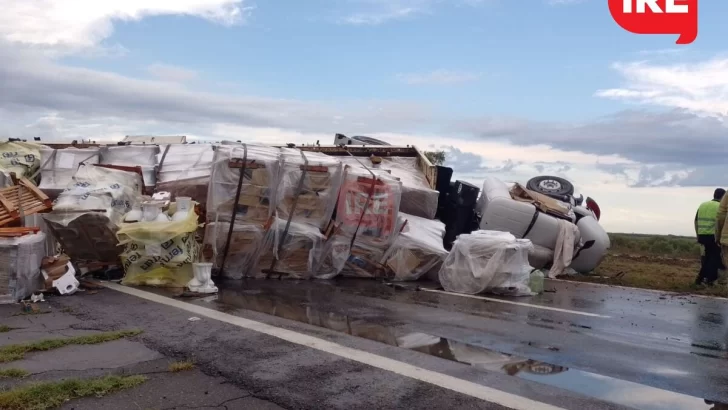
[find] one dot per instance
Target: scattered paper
(194, 319)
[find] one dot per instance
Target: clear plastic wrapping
(319, 191)
(299, 253)
(418, 249)
(98, 189)
(58, 166)
(144, 156)
(88, 213)
(367, 210)
(487, 261)
(20, 260)
(246, 244)
(418, 198)
(257, 194)
(368, 206)
(185, 170)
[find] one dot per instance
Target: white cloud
(700, 88)
(72, 25)
(374, 18)
(166, 72)
(376, 12)
(438, 77)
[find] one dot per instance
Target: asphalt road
(579, 346)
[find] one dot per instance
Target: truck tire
(549, 185)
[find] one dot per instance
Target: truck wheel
(549, 185)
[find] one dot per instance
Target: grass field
(668, 263)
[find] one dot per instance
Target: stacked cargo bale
(87, 215)
(418, 250)
(240, 202)
(59, 165)
(367, 223)
(184, 170)
(418, 198)
(20, 158)
(144, 156)
(306, 197)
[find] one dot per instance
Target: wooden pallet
(22, 199)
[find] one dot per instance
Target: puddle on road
(588, 384)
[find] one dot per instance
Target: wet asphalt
(640, 349)
(606, 348)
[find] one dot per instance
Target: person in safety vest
(706, 228)
(721, 236)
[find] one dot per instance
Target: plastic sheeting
(185, 170)
(297, 253)
(88, 213)
(20, 260)
(97, 189)
(159, 253)
(144, 156)
(417, 197)
(316, 200)
(368, 207)
(487, 261)
(59, 165)
(367, 211)
(22, 158)
(417, 250)
(257, 194)
(246, 244)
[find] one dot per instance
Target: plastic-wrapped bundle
(99, 189)
(20, 260)
(417, 250)
(246, 243)
(88, 213)
(334, 255)
(184, 170)
(418, 198)
(490, 261)
(319, 189)
(368, 206)
(22, 158)
(367, 211)
(144, 156)
(298, 256)
(159, 253)
(59, 165)
(257, 193)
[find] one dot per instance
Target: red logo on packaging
(658, 17)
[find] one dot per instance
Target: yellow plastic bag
(22, 158)
(159, 253)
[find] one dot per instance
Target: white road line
(479, 391)
(508, 302)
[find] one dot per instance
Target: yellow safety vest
(707, 214)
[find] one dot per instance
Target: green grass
(48, 395)
(659, 262)
(16, 352)
(668, 246)
(5, 329)
(13, 373)
(181, 366)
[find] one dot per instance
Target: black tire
(552, 186)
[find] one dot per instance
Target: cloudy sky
(511, 88)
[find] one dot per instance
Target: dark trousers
(711, 262)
